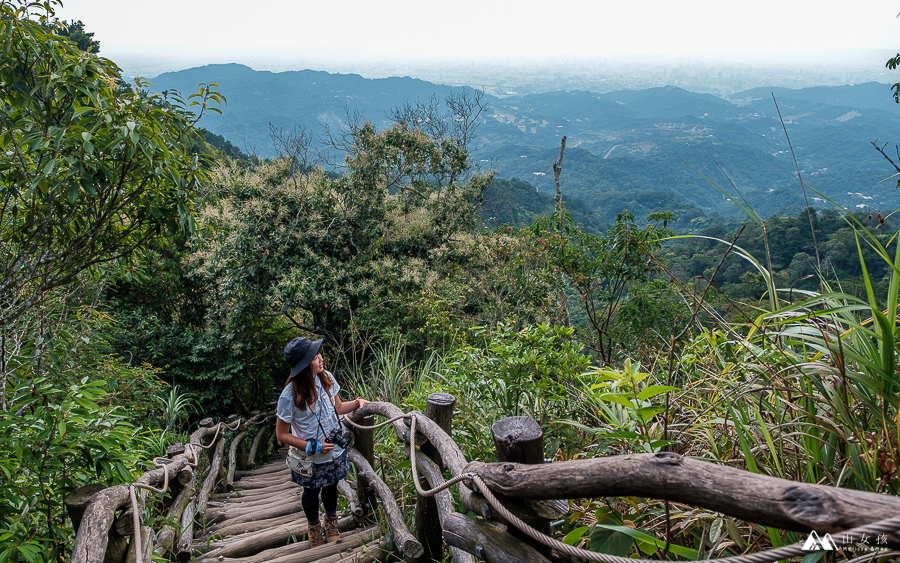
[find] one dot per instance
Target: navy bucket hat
(300, 352)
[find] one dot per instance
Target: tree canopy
(90, 172)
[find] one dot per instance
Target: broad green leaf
(610, 541)
(647, 538)
(655, 390)
(573, 537)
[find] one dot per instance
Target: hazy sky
(227, 30)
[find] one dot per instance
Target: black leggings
(310, 502)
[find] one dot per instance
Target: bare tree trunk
(561, 298)
(557, 169)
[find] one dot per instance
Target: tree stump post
(519, 439)
(364, 443)
(439, 408)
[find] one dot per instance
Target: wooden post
(272, 439)
(232, 461)
(519, 439)
(168, 534)
(364, 443)
(147, 545)
(443, 500)
(77, 501)
(183, 546)
(439, 408)
(407, 543)
(242, 459)
(116, 548)
(215, 467)
(352, 500)
(251, 457)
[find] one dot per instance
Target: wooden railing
(103, 516)
(530, 489)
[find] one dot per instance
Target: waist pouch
(300, 461)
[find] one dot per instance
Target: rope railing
(886, 526)
(158, 462)
(97, 510)
(475, 482)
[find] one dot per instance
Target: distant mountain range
(645, 150)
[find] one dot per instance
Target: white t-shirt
(304, 423)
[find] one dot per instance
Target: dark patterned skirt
(324, 474)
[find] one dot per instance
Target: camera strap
(334, 409)
(337, 417)
(324, 434)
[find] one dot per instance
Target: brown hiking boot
(315, 535)
(331, 529)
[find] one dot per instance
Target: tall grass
(816, 398)
(391, 377)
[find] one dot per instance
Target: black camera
(338, 438)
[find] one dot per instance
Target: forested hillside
(150, 276)
(657, 145)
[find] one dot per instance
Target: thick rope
(415, 473)
(875, 555)
(385, 423)
(136, 520)
(889, 525)
(193, 460)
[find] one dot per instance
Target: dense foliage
(139, 279)
(91, 173)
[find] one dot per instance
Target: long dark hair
(303, 387)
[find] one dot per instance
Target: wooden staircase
(262, 521)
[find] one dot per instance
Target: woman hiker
(307, 420)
